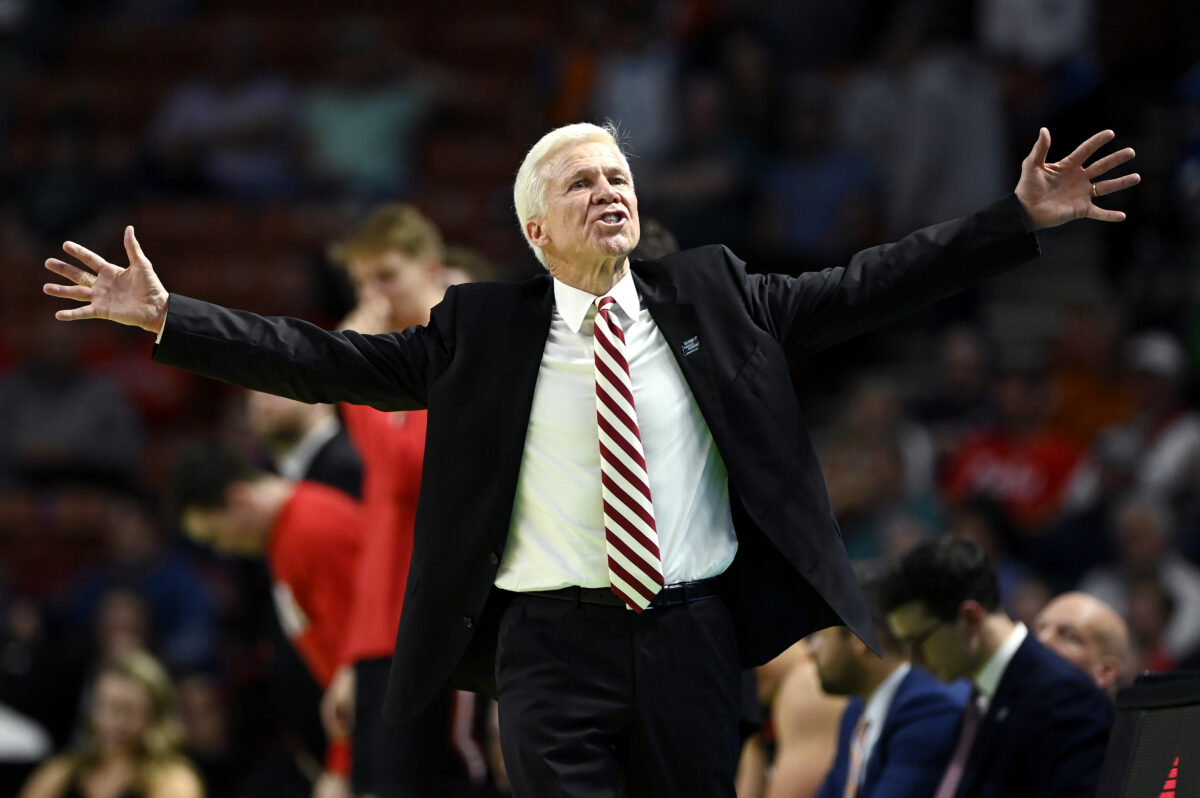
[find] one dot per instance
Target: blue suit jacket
(914, 745)
(1044, 734)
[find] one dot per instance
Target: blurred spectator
(133, 739)
(956, 403)
(30, 31)
(927, 102)
(209, 740)
(309, 535)
(1084, 537)
(228, 131)
(140, 560)
(700, 188)
(1018, 461)
(1089, 634)
(305, 441)
(898, 732)
(1165, 429)
(817, 197)
(1090, 387)
(362, 123)
(985, 522)
(636, 70)
(791, 755)
(1150, 610)
(656, 241)
(1146, 555)
(67, 184)
(58, 422)
(1033, 725)
(23, 744)
(1046, 53)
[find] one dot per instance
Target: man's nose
(604, 192)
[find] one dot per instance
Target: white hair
(529, 189)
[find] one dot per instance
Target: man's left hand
(1055, 193)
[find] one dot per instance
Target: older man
(1088, 633)
(620, 505)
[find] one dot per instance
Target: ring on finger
(87, 280)
(1095, 193)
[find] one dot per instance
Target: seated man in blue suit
(1035, 726)
(897, 734)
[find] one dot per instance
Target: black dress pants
(599, 702)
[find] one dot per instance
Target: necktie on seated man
(962, 749)
(634, 561)
(854, 770)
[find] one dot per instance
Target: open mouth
(614, 217)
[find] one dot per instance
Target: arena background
(242, 138)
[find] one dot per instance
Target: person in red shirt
(310, 535)
(395, 261)
(1018, 462)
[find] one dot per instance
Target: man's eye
(580, 183)
(618, 181)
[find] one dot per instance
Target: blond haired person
(133, 741)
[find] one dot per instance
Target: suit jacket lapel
(996, 721)
(679, 323)
(526, 326)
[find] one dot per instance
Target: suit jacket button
(494, 558)
(468, 621)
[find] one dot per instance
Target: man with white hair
(620, 507)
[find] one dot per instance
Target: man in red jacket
(395, 260)
(309, 534)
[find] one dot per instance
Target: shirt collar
(881, 700)
(988, 678)
(573, 304)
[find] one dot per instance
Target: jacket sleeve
(1066, 749)
(299, 360)
(915, 754)
(818, 309)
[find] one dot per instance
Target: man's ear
(536, 233)
(972, 614)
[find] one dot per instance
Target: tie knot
(604, 303)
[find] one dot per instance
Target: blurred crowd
(1051, 416)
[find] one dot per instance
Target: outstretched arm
(1056, 193)
(132, 295)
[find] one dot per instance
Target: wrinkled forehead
(582, 156)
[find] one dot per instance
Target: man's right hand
(132, 295)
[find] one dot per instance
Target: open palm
(1055, 193)
(132, 295)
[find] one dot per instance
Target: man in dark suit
(710, 485)
(1034, 726)
(898, 731)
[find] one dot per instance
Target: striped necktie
(634, 563)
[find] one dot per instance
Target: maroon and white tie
(634, 562)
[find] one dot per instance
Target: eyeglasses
(916, 641)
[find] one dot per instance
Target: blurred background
(242, 138)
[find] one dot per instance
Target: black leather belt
(674, 595)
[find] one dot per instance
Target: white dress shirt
(988, 679)
(556, 536)
(876, 711)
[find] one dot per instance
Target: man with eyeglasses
(1034, 725)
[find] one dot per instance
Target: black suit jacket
(1044, 734)
(474, 367)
